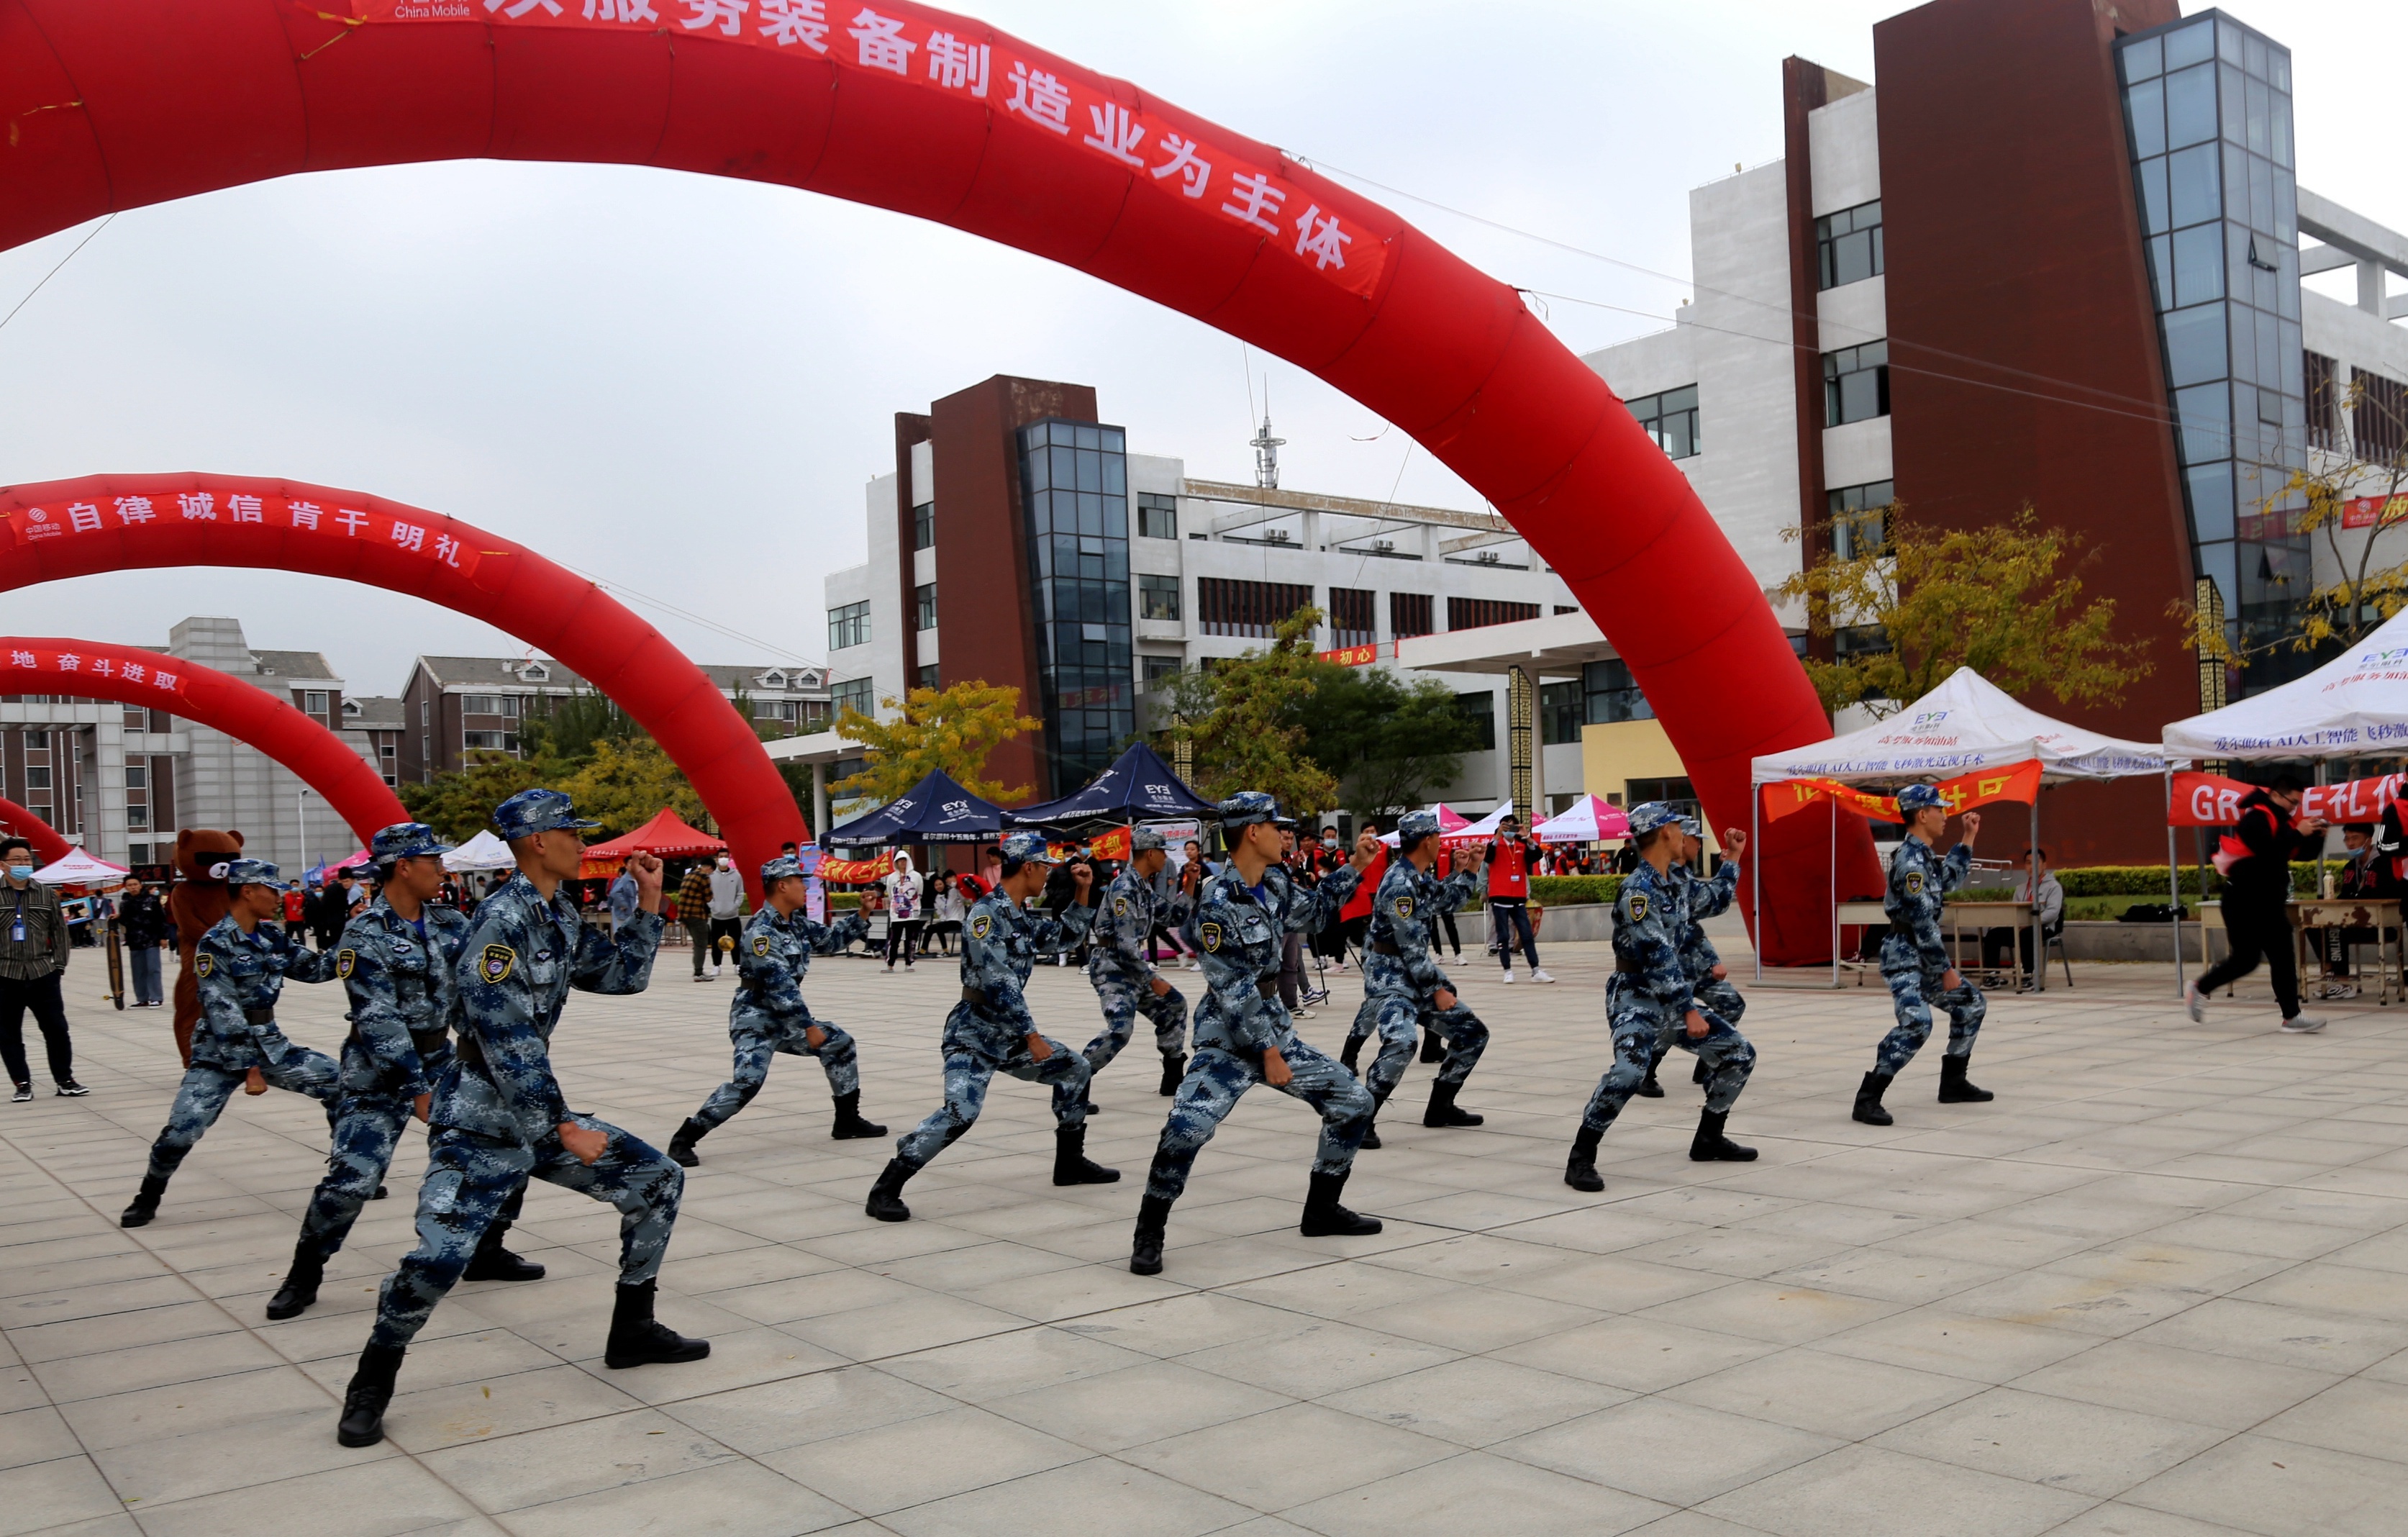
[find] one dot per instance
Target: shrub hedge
(1573, 890)
(2144, 880)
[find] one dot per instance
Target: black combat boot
(1869, 1096)
(1145, 1250)
(1071, 1165)
(146, 1203)
(491, 1262)
(1953, 1089)
(1441, 1111)
(1371, 1143)
(849, 1124)
(364, 1400)
(1700, 1074)
(379, 1194)
(1324, 1218)
(300, 1286)
(681, 1151)
(1580, 1170)
(1648, 1088)
(638, 1339)
(1354, 1050)
(886, 1200)
(1174, 1070)
(1433, 1047)
(1711, 1147)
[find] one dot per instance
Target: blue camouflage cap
(1146, 840)
(531, 812)
(1692, 827)
(1648, 815)
(1250, 806)
(1918, 797)
(1415, 824)
(774, 870)
(252, 872)
(1024, 846)
(405, 841)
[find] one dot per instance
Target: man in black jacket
(2255, 860)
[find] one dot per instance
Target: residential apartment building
(2053, 256)
(453, 705)
(1021, 540)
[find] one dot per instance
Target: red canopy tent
(666, 834)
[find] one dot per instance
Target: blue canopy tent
(935, 811)
(1138, 787)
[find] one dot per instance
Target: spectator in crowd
(143, 928)
(296, 911)
(33, 953)
(1510, 858)
(692, 904)
(1291, 971)
(2365, 876)
(2049, 905)
(905, 894)
(2256, 859)
(950, 904)
(726, 908)
(991, 868)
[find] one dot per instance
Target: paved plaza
(2159, 1289)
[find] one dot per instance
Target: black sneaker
(72, 1090)
(24, 1092)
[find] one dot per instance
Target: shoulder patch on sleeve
(1914, 882)
(1638, 907)
(1120, 907)
(495, 963)
(761, 945)
(981, 925)
(204, 964)
(1404, 906)
(344, 960)
(1210, 934)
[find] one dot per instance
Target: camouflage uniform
(768, 1016)
(1914, 958)
(1710, 898)
(1647, 1003)
(241, 975)
(1400, 978)
(1123, 975)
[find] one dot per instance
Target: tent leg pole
(2174, 880)
(2038, 978)
(1755, 872)
(1835, 893)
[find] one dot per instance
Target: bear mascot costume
(196, 903)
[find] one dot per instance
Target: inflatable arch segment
(48, 847)
(114, 104)
(65, 528)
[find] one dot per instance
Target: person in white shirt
(905, 892)
(949, 912)
(2049, 904)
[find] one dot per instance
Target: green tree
(569, 728)
(1909, 604)
(951, 728)
(625, 785)
(460, 804)
(1393, 742)
(1244, 724)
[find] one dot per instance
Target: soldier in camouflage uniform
(241, 964)
(1123, 974)
(1651, 1007)
(1914, 959)
(395, 961)
(1244, 1035)
(1709, 978)
(1402, 985)
(499, 1116)
(990, 1030)
(767, 1015)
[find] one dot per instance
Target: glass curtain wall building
(1074, 495)
(2208, 108)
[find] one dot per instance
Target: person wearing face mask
(143, 923)
(33, 953)
(726, 911)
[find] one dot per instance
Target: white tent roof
(2353, 706)
(1588, 820)
(1964, 726)
(79, 869)
(483, 852)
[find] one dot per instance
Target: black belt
(1266, 986)
(1383, 947)
(259, 1017)
(424, 1042)
(1628, 966)
(974, 995)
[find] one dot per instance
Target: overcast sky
(679, 384)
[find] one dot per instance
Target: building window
(813, 715)
(490, 741)
(1157, 669)
(1611, 695)
(1859, 515)
(2324, 401)
(924, 597)
(859, 695)
(133, 718)
(37, 778)
(1472, 614)
(503, 705)
(924, 525)
(1075, 510)
(1250, 608)
(138, 815)
(1856, 383)
(2378, 425)
(1848, 244)
(848, 626)
(926, 676)
(1158, 517)
(313, 702)
(425, 754)
(1670, 419)
(1678, 793)
(1157, 598)
(1409, 614)
(138, 776)
(1481, 711)
(1561, 713)
(426, 712)
(1353, 616)
(37, 741)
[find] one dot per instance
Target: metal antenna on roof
(1267, 446)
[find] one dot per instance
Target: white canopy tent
(77, 868)
(2354, 706)
(1964, 726)
(483, 852)
(1588, 820)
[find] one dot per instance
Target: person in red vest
(1512, 857)
(2256, 862)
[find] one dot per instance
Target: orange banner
(2019, 783)
(1112, 845)
(858, 871)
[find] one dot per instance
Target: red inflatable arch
(48, 847)
(68, 528)
(243, 710)
(113, 104)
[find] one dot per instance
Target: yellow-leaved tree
(624, 784)
(951, 728)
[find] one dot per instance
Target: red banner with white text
(2019, 783)
(2211, 800)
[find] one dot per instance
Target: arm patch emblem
(1210, 934)
(981, 925)
(761, 945)
(344, 961)
(1638, 907)
(495, 963)
(1914, 882)
(1120, 907)
(1404, 906)
(204, 964)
